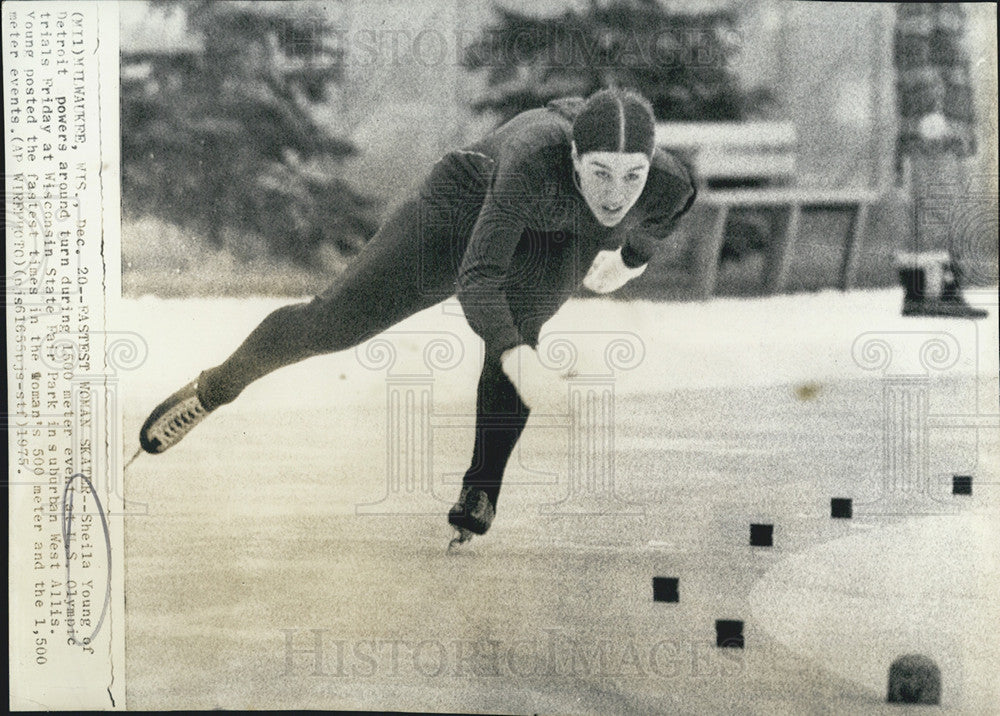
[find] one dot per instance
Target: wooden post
(780, 256)
(707, 249)
(849, 269)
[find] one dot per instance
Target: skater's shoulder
(670, 184)
(668, 166)
(534, 146)
(535, 130)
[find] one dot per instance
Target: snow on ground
(251, 534)
(719, 343)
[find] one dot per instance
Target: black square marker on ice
(729, 633)
(665, 589)
(961, 484)
(761, 535)
(840, 507)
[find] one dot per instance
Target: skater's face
(610, 182)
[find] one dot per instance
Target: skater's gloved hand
(609, 273)
(539, 386)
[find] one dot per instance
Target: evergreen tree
(223, 139)
(679, 61)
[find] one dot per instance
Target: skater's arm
(503, 218)
(672, 192)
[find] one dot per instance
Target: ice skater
(569, 193)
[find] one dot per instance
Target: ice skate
(471, 515)
(172, 419)
(463, 535)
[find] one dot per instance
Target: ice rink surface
(273, 560)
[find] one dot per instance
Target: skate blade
(464, 536)
(138, 452)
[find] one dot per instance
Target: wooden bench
(751, 166)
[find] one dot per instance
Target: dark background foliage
(222, 139)
(681, 62)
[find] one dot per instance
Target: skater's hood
(610, 120)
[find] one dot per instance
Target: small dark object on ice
(914, 679)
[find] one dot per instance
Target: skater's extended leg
(351, 311)
(408, 266)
